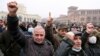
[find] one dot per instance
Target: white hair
(37, 28)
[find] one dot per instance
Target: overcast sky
(56, 7)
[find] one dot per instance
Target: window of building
(89, 12)
(95, 21)
(99, 20)
(25, 19)
(79, 12)
(82, 19)
(29, 19)
(82, 12)
(95, 12)
(94, 18)
(99, 11)
(89, 19)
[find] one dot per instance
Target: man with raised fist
(36, 45)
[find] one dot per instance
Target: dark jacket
(51, 37)
(8, 45)
(1, 29)
(64, 46)
(84, 38)
(30, 47)
(65, 49)
(73, 53)
(93, 50)
(59, 37)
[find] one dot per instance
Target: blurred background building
(79, 16)
(83, 16)
(22, 15)
(74, 15)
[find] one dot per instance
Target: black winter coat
(93, 50)
(30, 47)
(8, 45)
(65, 49)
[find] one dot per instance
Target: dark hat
(62, 26)
(77, 33)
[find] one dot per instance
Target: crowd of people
(36, 39)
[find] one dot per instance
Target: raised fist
(12, 8)
(49, 21)
(70, 35)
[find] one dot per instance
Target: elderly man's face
(39, 35)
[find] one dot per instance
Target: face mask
(92, 40)
(30, 30)
(77, 49)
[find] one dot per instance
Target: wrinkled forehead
(39, 29)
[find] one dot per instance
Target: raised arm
(12, 24)
(49, 34)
